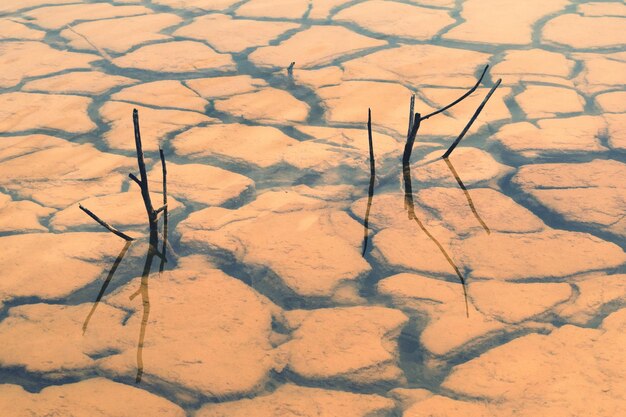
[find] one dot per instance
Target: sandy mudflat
(494, 286)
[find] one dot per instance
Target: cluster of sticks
(153, 215)
(415, 120)
(153, 218)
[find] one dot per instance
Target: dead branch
(469, 124)
(460, 99)
(105, 224)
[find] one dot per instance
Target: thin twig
(134, 178)
(411, 114)
(145, 192)
(370, 192)
(469, 124)
(458, 100)
(290, 69)
(164, 170)
(406, 166)
(105, 224)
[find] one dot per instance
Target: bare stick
(145, 192)
(460, 99)
(406, 166)
(469, 124)
(290, 69)
(411, 115)
(134, 178)
(370, 192)
(408, 147)
(164, 169)
(105, 224)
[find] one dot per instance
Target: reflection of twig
(143, 182)
(467, 195)
(105, 224)
(469, 124)
(145, 302)
(370, 191)
(117, 262)
(458, 100)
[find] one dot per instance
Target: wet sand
(289, 281)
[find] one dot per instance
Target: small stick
(105, 224)
(164, 207)
(458, 100)
(370, 191)
(411, 109)
(143, 184)
(469, 124)
(410, 140)
(290, 69)
(134, 178)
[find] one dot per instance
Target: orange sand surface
(490, 283)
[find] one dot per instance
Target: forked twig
(460, 99)
(105, 224)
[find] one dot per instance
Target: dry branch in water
(370, 193)
(105, 224)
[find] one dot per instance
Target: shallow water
(489, 283)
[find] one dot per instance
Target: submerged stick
(370, 192)
(105, 224)
(467, 195)
(469, 124)
(460, 99)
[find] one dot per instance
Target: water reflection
(117, 262)
(467, 194)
